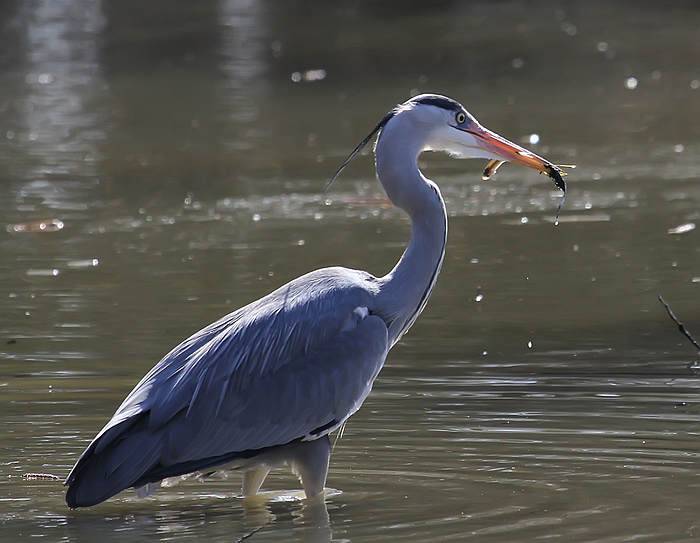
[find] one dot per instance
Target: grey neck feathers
(406, 289)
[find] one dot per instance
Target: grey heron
(265, 385)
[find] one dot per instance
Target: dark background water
(175, 154)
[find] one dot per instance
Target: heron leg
(147, 489)
(253, 480)
(310, 463)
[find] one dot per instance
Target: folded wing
(291, 366)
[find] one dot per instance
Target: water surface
(163, 165)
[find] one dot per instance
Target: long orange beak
(507, 151)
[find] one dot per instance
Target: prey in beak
(461, 135)
(507, 151)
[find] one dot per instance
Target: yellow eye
(460, 117)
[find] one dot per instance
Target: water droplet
(314, 75)
(569, 28)
(631, 83)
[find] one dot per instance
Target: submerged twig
(253, 532)
(681, 328)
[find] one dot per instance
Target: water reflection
(58, 123)
(543, 393)
(243, 53)
(277, 521)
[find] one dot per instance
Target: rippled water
(163, 164)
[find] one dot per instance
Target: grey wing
(293, 365)
(307, 398)
(224, 359)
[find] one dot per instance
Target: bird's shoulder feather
(232, 354)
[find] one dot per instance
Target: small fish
(555, 173)
(491, 168)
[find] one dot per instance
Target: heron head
(431, 122)
(454, 130)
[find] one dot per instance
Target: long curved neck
(405, 290)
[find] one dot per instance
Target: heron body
(265, 385)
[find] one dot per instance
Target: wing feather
(286, 367)
(320, 387)
(250, 343)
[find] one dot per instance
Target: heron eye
(460, 117)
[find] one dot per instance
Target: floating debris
(88, 263)
(309, 76)
(53, 225)
(49, 272)
(682, 229)
(40, 477)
